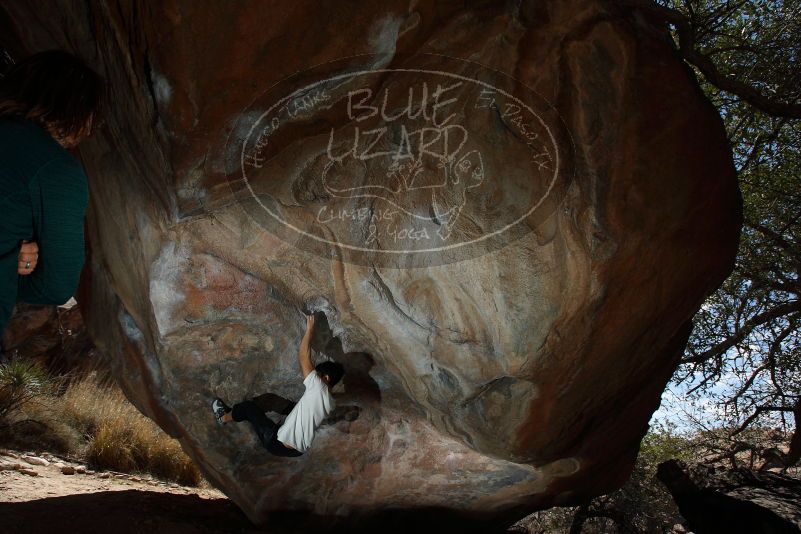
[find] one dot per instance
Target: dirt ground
(91, 502)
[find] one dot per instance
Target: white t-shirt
(315, 404)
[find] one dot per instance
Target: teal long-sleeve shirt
(43, 197)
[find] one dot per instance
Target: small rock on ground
(35, 460)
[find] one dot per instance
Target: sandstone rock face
(507, 273)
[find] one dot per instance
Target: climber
(48, 104)
(295, 435)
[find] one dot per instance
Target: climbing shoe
(219, 408)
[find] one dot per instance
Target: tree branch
(686, 47)
(744, 330)
(773, 236)
(759, 410)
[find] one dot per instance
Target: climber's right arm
(304, 354)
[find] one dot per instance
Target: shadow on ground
(151, 512)
(124, 512)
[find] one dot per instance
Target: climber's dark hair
(53, 88)
(333, 369)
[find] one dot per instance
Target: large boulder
(509, 295)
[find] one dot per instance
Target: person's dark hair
(53, 88)
(333, 369)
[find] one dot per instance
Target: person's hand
(28, 256)
(309, 322)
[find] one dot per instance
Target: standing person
(48, 102)
(295, 435)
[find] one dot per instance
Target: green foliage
(663, 442)
(643, 500)
(749, 48)
(641, 505)
(21, 381)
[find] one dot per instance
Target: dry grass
(28, 409)
(120, 437)
(93, 420)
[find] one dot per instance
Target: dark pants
(265, 428)
(270, 402)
